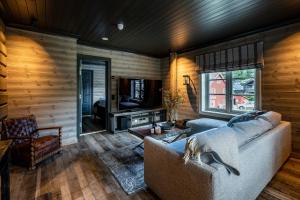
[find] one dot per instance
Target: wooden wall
(42, 79)
(42, 76)
(98, 80)
(280, 75)
(3, 72)
(124, 64)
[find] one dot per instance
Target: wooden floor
(91, 124)
(78, 174)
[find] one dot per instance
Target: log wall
(3, 72)
(42, 79)
(42, 76)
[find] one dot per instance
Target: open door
(94, 94)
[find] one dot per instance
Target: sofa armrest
(168, 176)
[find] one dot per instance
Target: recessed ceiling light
(104, 38)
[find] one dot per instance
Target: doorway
(93, 94)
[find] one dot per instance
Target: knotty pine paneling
(42, 79)
(280, 75)
(124, 64)
(3, 72)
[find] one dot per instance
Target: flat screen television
(137, 94)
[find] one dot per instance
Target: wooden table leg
(139, 145)
(5, 180)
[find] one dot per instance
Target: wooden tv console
(121, 121)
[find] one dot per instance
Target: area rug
(127, 166)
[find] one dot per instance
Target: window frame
(228, 111)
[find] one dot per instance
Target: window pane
(217, 87)
(218, 75)
(243, 74)
(243, 86)
(217, 101)
(243, 103)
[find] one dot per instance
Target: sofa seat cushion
(204, 124)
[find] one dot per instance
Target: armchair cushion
(45, 145)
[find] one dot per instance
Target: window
(230, 92)
(138, 89)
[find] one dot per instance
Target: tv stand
(121, 121)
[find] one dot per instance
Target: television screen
(139, 94)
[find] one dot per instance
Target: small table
(167, 136)
(4, 168)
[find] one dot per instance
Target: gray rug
(127, 166)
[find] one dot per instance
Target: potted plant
(172, 99)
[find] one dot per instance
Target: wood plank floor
(76, 173)
(89, 124)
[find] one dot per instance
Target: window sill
(218, 114)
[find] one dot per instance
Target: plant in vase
(172, 99)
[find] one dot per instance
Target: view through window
(230, 92)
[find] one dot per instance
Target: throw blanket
(216, 145)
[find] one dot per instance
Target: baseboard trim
(69, 141)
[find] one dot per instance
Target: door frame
(94, 59)
(92, 90)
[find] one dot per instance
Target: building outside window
(230, 92)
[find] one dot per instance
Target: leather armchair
(28, 147)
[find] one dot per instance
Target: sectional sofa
(171, 179)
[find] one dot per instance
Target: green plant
(172, 99)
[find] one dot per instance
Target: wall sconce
(186, 80)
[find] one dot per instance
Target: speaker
(123, 123)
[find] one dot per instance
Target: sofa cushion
(178, 146)
(249, 130)
(244, 117)
(204, 124)
(216, 145)
(273, 117)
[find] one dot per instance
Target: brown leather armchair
(28, 147)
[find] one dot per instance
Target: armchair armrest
(49, 128)
(52, 127)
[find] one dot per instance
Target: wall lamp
(186, 80)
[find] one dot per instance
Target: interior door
(87, 91)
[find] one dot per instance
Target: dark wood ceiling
(152, 27)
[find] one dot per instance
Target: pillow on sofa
(248, 131)
(216, 145)
(244, 117)
(204, 124)
(273, 117)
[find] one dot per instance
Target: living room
(175, 74)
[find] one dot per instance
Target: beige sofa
(168, 176)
